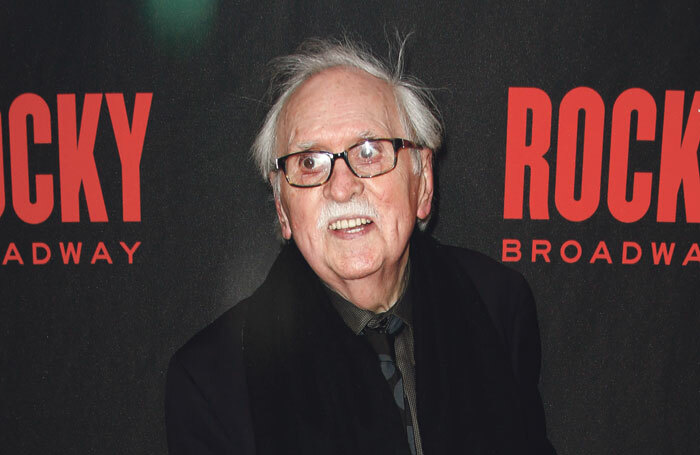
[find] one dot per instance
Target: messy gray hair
(416, 105)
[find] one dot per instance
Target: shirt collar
(357, 318)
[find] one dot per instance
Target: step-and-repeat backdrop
(131, 214)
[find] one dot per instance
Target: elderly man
(367, 337)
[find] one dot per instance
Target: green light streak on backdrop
(180, 26)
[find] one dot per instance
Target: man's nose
(343, 184)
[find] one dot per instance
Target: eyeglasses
(366, 159)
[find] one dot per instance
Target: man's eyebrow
(305, 145)
(366, 134)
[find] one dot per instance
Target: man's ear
(285, 227)
(425, 185)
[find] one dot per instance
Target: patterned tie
(381, 332)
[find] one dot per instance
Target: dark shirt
(359, 320)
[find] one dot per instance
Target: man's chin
(354, 268)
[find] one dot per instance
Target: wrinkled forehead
(338, 102)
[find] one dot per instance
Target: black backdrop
(84, 347)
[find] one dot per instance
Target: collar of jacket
(316, 387)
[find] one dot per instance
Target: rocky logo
(29, 123)
(678, 164)
(76, 144)
(580, 143)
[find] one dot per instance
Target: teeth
(348, 224)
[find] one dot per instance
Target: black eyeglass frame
(398, 144)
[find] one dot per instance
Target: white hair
(417, 109)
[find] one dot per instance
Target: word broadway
(571, 251)
(67, 253)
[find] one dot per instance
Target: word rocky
(76, 159)
(526, 147)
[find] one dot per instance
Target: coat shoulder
(206, 399)
(490, 277)
(504, 292)
(220, 338)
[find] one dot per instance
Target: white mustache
(354, 207)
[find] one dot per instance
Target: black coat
(281, 373)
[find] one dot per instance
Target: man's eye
(308, 163)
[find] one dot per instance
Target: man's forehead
(341, 76)
(349, 100)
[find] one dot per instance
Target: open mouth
(349, 223)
